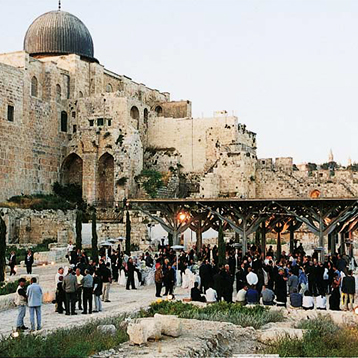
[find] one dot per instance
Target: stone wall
(279, 180)
(26, 226)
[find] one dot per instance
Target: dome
(56, 33)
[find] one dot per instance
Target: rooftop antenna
(59, 5)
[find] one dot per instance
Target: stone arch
(159, 111)
(34, 86)
(109, 88)
(314, 194)
(135, 115)
(105, 180)
(72, 170)
(58, 93)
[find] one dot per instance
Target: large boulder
(270, 335)
(171, 325)
(108, 329)
(137, 333)
(152, 328)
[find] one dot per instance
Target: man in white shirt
(241, 295)
(211, 295)
(251, 277)
(59, 273)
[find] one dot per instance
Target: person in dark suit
(29, 261)
(169, 279)
(130, 273)
(348, 290)
(205, 273)
(12, 263)
(195, 293)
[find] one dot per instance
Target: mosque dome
(57, 33)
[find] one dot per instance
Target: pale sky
(287, 68)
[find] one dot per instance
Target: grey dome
(58, 32)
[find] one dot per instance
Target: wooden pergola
(322, 217)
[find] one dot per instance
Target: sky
(287, 68)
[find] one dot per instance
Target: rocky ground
(199, 338)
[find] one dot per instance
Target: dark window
(100, 122)
(73, 114)
(80, 94)
(34, 87)
(63, 121)
(159, 111)
(145, 114)
(58, 93)
(74, 128)
(91, 122)
(109, 122)
(10, 113)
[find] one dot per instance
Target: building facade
(65, 118)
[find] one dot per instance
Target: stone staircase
(283, 176)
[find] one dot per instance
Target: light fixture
(356, 310)
(52, 263)
(43, 265)
(182, 216)
(15, 334)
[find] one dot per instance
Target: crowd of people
(295, 279)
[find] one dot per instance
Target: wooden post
(278, 251)
(244, 237)
(263, 237)
(292, 239)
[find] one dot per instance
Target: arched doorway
(72, 170)
(105, 180)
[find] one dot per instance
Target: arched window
(63, 121)
(134, 112)
(159, 111)
(80, 94)
(58, 93)
(146, 113)
(109, 88)
(34, 87)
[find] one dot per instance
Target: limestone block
(270, 335)
(137, 333)
(171, 325)
(108, 329)
(152, 327)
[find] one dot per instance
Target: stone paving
(122, 301)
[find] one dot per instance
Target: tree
(2, 248)
(79, 218)
(94, 237)
(128, 234)
(221, 246)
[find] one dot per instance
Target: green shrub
(80, 341)
(323, 338)
(244, 316)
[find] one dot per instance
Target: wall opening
(10, 113)
(109, 88)
(72, 170)
(105, 180)
(64, 120)
(58, 93)
(135, 115)
(34, 87)
(146, 114)
(159, 111)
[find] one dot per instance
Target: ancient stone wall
(279, 180)
(26, 226)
